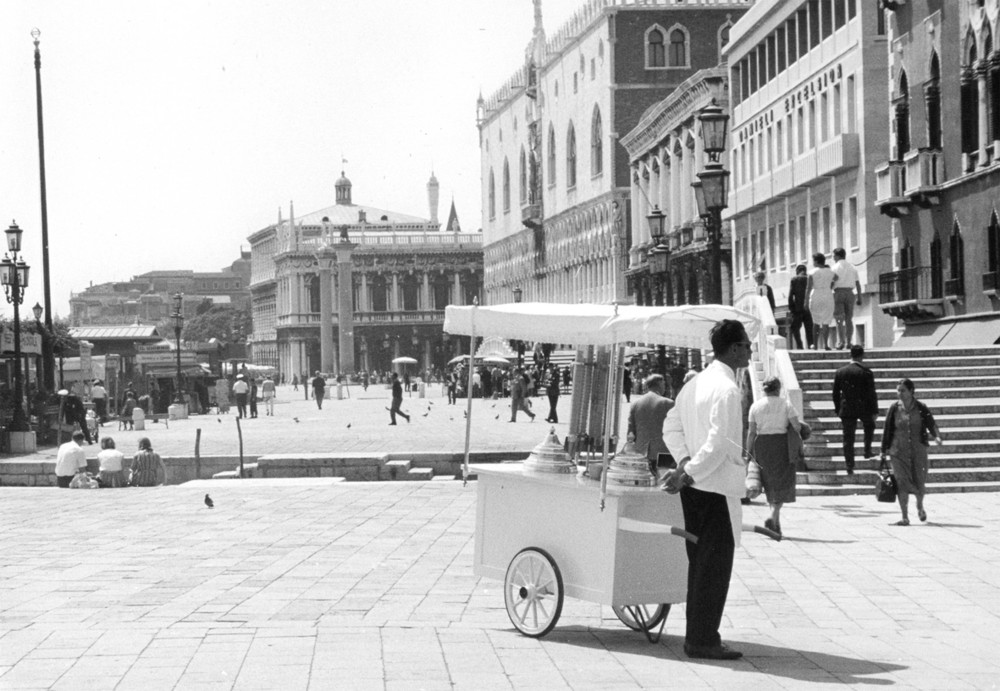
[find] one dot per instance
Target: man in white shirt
(704, 433)
(70, 460)
(100, 397)
(844, 297)
(240, 390)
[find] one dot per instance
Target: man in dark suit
(645, 421)
(855, 398)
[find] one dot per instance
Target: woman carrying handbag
(909, 427)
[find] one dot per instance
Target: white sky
(174, 129)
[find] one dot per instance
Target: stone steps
(960, 385)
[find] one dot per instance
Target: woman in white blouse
(110, 458)
(768, 441)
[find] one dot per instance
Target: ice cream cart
(546, 528)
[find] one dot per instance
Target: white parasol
(404, 360)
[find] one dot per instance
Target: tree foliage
(219, 321)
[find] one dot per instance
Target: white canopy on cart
(685, 326)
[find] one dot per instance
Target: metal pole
(468, 392)
(18, 422)
(49, 365)
(177, 390)
(716, 256)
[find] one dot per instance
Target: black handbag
(885, 485)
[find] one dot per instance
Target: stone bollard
(340, 391)
(138, 418)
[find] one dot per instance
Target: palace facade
(352, 287)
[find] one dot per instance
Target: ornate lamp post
(178, 317)
(711, 192)
(14, 276)
(47, 357)
(518, 294)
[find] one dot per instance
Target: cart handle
(632, 525)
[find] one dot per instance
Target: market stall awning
(685, 326)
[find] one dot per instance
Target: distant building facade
(808, 95)
(148, 297)
(352, 287)
(939, 172)
(556, 181)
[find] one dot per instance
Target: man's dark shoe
(711, 652)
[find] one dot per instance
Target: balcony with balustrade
(890, 186)
(912, 294)
(924, 176)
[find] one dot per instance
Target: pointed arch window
(901, 116)
(570, 157)
(522, 187)
(596, 143)
(993, 248)
(937, 268)
(656, 53)
(506, 186)
(677, 57)
(492, 196)
(970, 100)
(552, 155)
(956, 282)
(932, 103)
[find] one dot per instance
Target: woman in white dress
(820, 291)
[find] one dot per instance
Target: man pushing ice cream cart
(548, 530)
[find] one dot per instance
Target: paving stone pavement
(313, 585)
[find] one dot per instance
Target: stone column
(456, 289)
(394, 298)
(345, 310)
(326, 258)
(982, 68)
(364, 299)
(295, 351)
(426, 294)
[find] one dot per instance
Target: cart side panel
(650, 568)
(560, 517)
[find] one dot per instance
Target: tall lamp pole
(14, 276)
(518, 294)
(711, 189)
(178, 316)
(659, 262)
(48, 366)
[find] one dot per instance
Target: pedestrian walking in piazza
(147, 467)
(821, 300)
(771, 420)
(798, 308)
(397, 400)
(319, 389)
(908, 431)
(365, 379)
(99, 395)
(269, 393)
(855, 398)
(552, 391)
(75, 413)
(703, 431)
(645, 422)
(253, 397)
(517, 401)
(240, 390)
(627, 384)
(452, 386)
(112, 473)
(295, 382)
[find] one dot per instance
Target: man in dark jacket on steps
(855, 398)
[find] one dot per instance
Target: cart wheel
(533, 592)
(641, 617)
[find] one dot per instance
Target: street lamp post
(14, 276)
(178, 317)
(711, 190)
(518, 294)
(47, 357)
(659, 262)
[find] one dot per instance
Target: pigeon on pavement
(208, 502)
(296, 419)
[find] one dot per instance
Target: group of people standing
(816, 300)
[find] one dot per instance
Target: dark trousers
(64, 480)
(101, 409)
(241, 404)
(553, 415)
(850, 425)
(394, 410)
(253, 406)
(710, 564)
(318, 394)
(799, 319)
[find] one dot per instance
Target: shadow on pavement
(799, 665)
(788, 538)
